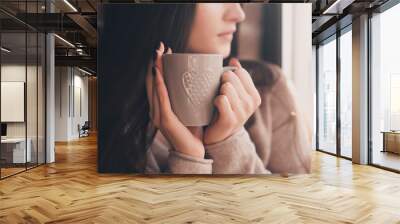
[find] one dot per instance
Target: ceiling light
(84, 71)
(337, 7)
(5, 50)
(65, 41)
(70, 5)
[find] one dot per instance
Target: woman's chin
(226, 51)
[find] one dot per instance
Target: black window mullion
(369, 90)
(317, 97)
(26, 86)
(338, 91)
(37, 90)
(45, 92)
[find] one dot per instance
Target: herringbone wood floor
(71, 191)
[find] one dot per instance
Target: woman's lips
(227, 35)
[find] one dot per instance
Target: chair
(84, 130)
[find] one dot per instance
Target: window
(327, 96)
(333, 77)
(385, 88)
(346, 75)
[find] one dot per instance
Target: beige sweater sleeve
(161, 158)
(180, 163)
(236, 155)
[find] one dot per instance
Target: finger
(246, 80)
(160, 52)
(224, 122)
(163, 97)
(228, 90)
(244, 75)
(247, 83)
(226, 117)
(235, 62)
(247, 104)
(169, 51)
(232, 78)
(156, 106)
(155, 99)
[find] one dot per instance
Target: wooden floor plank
(71, 191)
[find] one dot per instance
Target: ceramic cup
(193, 81)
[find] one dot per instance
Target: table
(391, 141)
(13, 150)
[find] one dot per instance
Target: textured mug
(193, 81)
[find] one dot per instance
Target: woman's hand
(187, 140)
(237, 101)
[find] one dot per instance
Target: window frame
(334, 37)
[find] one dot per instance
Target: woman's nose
(234, 13)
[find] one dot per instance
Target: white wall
(33, 127)
(12, 101)
(80, 84)
(61, 103)
(16, 72)
(70, 83)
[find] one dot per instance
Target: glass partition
(13, 94)
(22, 88)
(327, 96)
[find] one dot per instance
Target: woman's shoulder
(276, 91)
(263, 73)
(270, 80)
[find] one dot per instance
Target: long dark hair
(128, 36)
